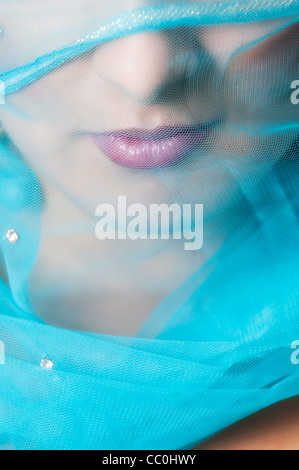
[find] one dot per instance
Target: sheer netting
(149, 219)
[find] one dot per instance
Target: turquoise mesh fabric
(126, 343)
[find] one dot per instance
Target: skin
(131, 83)
(275, 428)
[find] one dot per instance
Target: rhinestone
(12, 236)
(46, 363)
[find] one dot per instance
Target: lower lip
(146, 150)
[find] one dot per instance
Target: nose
(140, 64)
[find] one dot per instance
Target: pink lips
(163, 147)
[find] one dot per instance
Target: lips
(140, 149)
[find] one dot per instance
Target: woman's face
(146, 82)
(167, 80)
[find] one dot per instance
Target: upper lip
(160, 133)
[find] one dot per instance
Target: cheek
(53, 99)
(36, 142)
(223, 41)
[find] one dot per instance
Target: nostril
(171, 91)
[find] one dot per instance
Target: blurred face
(140, 85)
(161, 117)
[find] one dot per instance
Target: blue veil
(219, 342)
